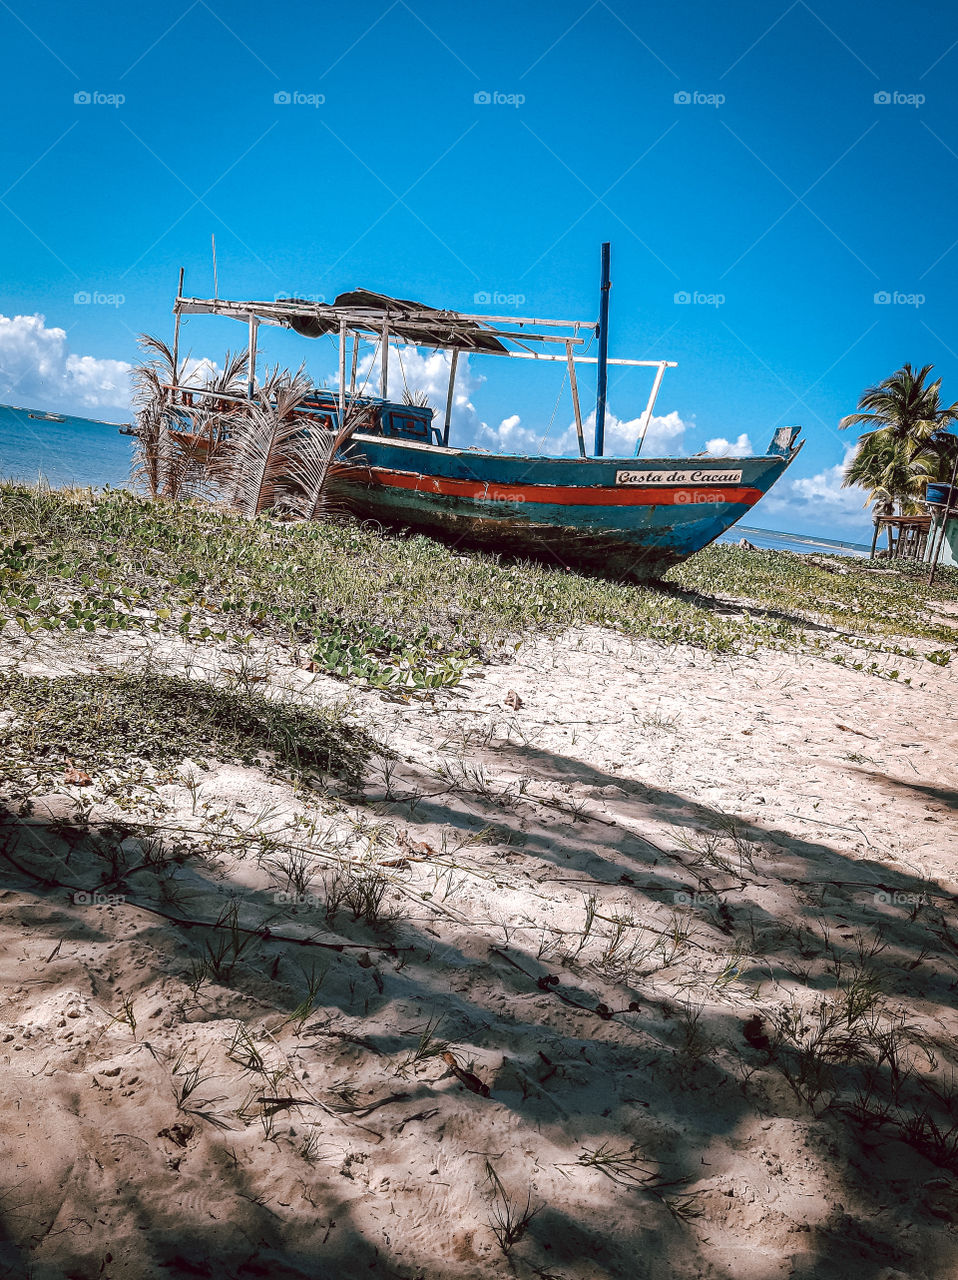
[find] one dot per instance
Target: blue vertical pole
(603, 335)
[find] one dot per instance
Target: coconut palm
(884, 468)
(905, 408)
(908, 442)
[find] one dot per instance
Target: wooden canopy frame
(514, 337)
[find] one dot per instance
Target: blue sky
(780, 164)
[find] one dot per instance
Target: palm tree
(907, 445)
(904, 409)
(885, 469)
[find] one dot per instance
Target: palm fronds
(908, 443)
(253, 454)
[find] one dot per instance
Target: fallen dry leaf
(473, 1083)
(75, 777)
(847, 728)
(513, 700)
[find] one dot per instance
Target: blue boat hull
(631, 518)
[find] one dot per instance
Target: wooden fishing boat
(628, 516)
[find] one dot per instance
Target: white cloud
(722, 448)
(820, 498)
(427, 372)
(663, 438)
(38, 370)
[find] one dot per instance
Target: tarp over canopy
(412, 321)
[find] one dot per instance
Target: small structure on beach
(908, 535)
(942, 503)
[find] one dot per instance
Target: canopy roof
(413, 322)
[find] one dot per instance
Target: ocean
(78, 451)
(84, 451)
(769, 540)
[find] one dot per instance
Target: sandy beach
(592, 905)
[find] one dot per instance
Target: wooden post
(449, 395)
(647, 416)
(936, 550)
(352, 376)
(603, 355)
(251, 357)
(384, 363)
(877, 524)
(575, 399)
(342, 373)
(176, 331)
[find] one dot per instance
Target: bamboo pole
(647, 416)
(251, 357)
(384, 363)
(176, 331)
(449, 397)
(574, 386)
(342, 374)
(352, 375)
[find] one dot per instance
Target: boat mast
(603, 336)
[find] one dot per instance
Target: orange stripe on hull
(565, 495)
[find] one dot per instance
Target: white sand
(496, 824)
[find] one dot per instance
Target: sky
(777, 180)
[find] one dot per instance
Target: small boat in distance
(127, 429)
(622, 516)
(47, 417)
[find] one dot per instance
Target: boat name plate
(678, 477)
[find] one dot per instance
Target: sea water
(769, 540)
(76, 451)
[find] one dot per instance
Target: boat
(127, 429)
(47, 417)
(630, 517)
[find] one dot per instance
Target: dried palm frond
(151, 396)
(254, 457)
(414, 397)
(315, 456)
(232, 380)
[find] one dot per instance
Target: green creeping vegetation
(403, 612)
(105, 721)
